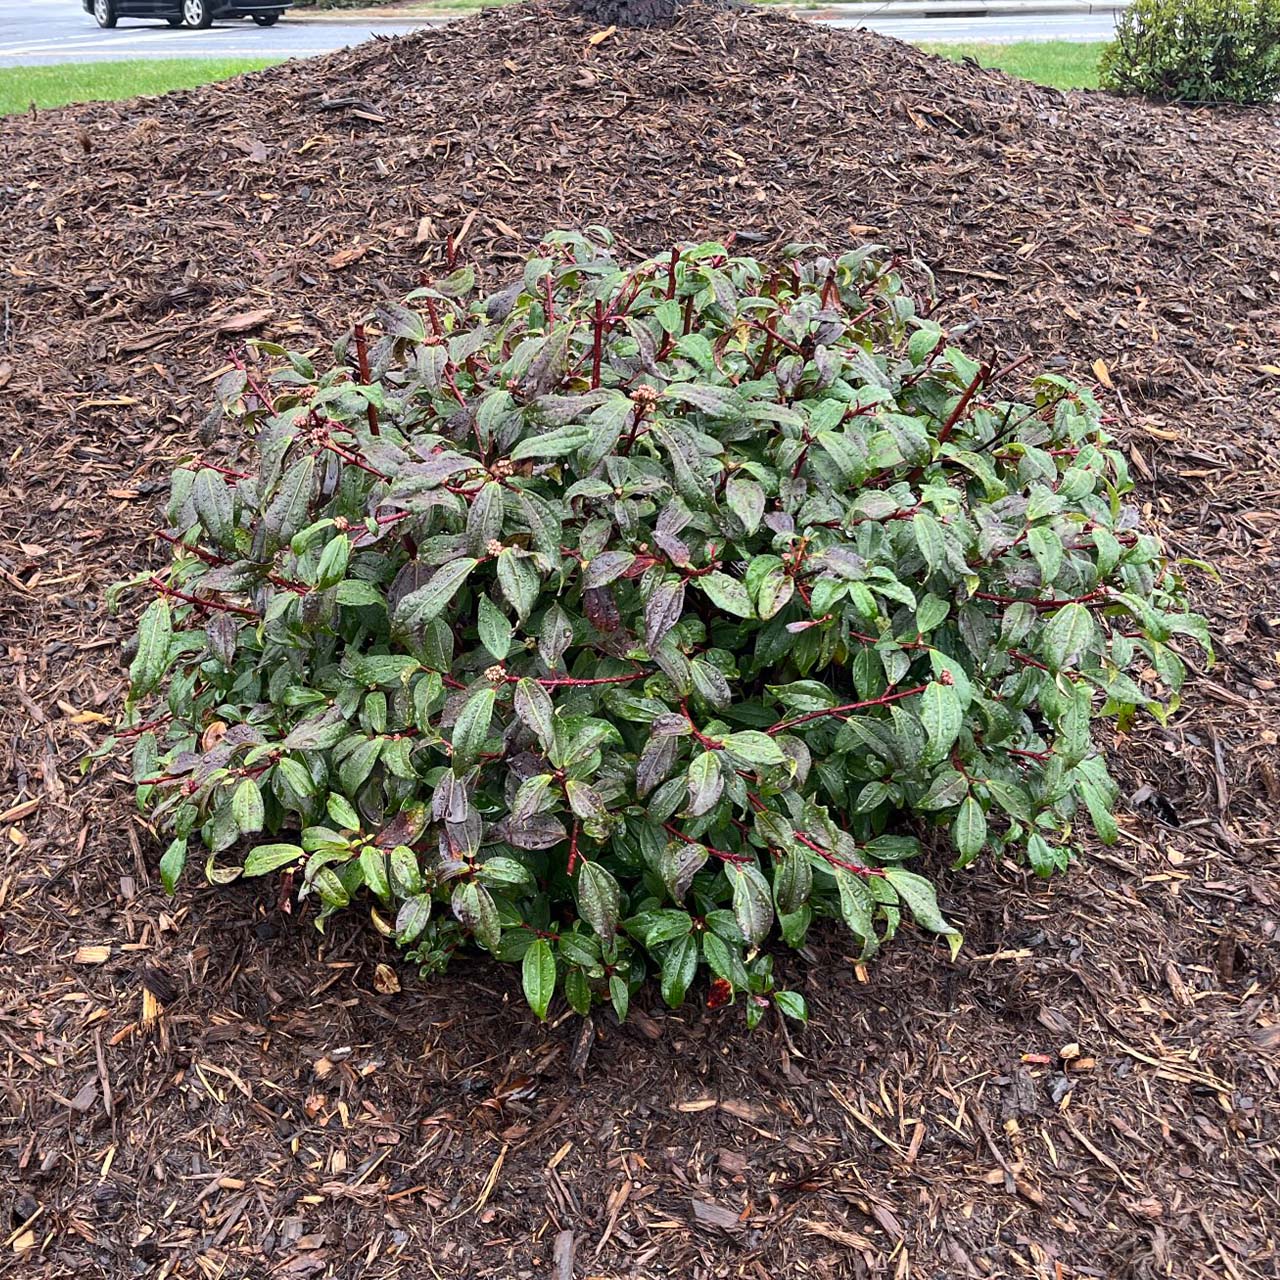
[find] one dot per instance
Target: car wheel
(104, 13)
(197, 14)
(267, 19)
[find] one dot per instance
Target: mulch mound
(205, 1086)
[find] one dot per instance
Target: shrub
(606, 621)
(1196, 51)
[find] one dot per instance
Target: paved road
(47, 31)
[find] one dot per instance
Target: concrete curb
(843, 13)
(959, 8)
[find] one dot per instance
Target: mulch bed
(207, 1087)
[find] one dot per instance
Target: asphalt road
(48, 31)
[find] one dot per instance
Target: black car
(186, 13)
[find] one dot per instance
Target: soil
(204, 1086)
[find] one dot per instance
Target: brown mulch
(205, 1087)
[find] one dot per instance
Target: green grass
(1057, 63)
(1060, 64)
(57, 85)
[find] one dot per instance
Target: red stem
(834, 861)
(554, 682)
(1097, 594)
(723, 854)
(881, 701)
(203, 603)
(362, 365)
(709, 743)
(979, 380)
(253, 384)
(597, 343)
(352, 459)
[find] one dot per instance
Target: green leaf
(1070, 632)
(753, 748)
(552, 444)
(720, 402)
(356, 768)
(342, 812)
(355, 593)
(969, 831)
(334, 560)
(471, 729)
(155, 638)
(533, 706)
(942, 718)
(1046, 547)
(474, 908)
(662, 611)
(856, 906)
(214, 505)
(931, 612)
(373, 866)
(653, 928)
(265, 858)
(247, 808)
(921, 899)
(620, 996)
(678, 968)
(538, 970)
(584, 800)
(725, 961)
(405, 876)
(577, 991)
(1100, 814)
(752, 901)
(413, 918)
(930, 539)
(746, 500)
(606, 568)
(679, 864)
(599, 899)
(706, 783)
(505, 873)
(172, 864)
(495, 629)
(792, 1003)
(429, 601)
(519, 582)
(290, 508)
(726, 593)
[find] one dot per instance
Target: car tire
(267, 19)
(196, 14)
(104, 13)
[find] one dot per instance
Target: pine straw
(207, 1086)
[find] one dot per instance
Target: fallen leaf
(715, 1215)
(242, 321)
(1103, 374)
(601, 36)
(385, 981)
(345, 257)
(254, 148)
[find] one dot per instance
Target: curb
(843, 13)
(959, 9)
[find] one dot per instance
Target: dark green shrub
(606, 621)
(1196, 51)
